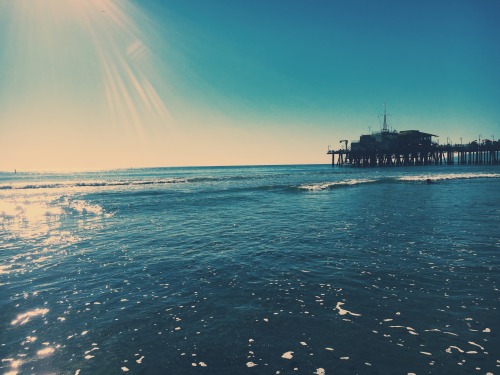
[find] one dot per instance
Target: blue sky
(103, 84)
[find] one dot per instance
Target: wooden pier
(412, 147)
(423, 153)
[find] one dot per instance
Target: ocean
(303, 269)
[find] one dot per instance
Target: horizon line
(66, 170)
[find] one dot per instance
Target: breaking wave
(449, 176)
(114, 183)
(282, 184)
(335, 184)
(401, 179)
(71, 184)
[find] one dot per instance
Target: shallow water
(264, 270)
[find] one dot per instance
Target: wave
(312, 186)
(106, 183)
(448, 176)
(336, 184)
(71, 184)
(224, 178)
(401, 179)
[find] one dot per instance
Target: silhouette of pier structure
(412, 147)
(487, 153)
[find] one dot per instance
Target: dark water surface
(258, 270)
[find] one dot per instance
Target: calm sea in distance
(251, 270)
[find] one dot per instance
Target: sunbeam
(123, 58)
(106, 31)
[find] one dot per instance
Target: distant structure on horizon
(412, 147)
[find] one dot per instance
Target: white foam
(449, 176)
(410, 330)
(343, 311)
(473, 343)
(330, 185)
(454, 347)
(287, 355)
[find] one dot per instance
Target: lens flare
(80, 40)
(125, 62)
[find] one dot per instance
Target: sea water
(251, 270)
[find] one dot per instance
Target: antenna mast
(384, 127)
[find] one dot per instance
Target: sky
(101, 84)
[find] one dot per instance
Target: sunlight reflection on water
(34, 224)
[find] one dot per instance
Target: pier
(412, 147)
(487, 153)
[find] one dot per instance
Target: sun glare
(109, 40)
(125, 61)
